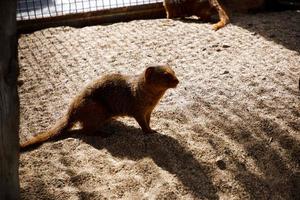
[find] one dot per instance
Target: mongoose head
(161, 77)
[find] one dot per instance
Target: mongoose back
(112, 96)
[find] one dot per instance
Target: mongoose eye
(167, 75)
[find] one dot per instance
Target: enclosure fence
(35, 9)
(38, 14)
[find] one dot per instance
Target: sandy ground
(230, 130)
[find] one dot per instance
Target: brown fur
(112, 96)
(204, 9)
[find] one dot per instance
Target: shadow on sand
(278, 26)
(263, 141)
(129, 142)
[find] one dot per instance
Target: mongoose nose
(176, 81)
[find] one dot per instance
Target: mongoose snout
(162, 77)
(175, 82)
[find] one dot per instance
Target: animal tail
(62, 125)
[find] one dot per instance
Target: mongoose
(204, 9)
(112, 96)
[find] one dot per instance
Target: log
(9, 103)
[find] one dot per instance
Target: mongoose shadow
(125, 141)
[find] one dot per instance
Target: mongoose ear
(148, 73)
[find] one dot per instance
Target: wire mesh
(34, 9)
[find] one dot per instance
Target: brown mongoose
(112, 96)
(204, 9)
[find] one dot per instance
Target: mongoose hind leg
(92, 116)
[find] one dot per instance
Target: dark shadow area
(274, 26)
(36, 189)
(30, 148)
(271, 22)
(124, 141)
(259, 137)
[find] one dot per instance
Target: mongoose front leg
(148, 115)
(143, 122)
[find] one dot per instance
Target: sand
(230, 130)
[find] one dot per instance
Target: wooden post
(9, 103)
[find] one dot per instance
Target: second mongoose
(112, 96)
(204, 9)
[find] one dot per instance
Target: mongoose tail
(61, 126)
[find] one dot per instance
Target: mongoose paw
(216, 27)
(220, 24)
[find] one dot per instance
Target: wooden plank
(9, 103)
(147, 11)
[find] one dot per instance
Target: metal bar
(90, 6)
(41, 6)
(27, 8)
(55, 7)
(34, 8)
(19, 10)
(75, 6)
(103, 4)
(48, 6)
(62, 7)
(82, 5)
(70, 8)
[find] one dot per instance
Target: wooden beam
(9, 103)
